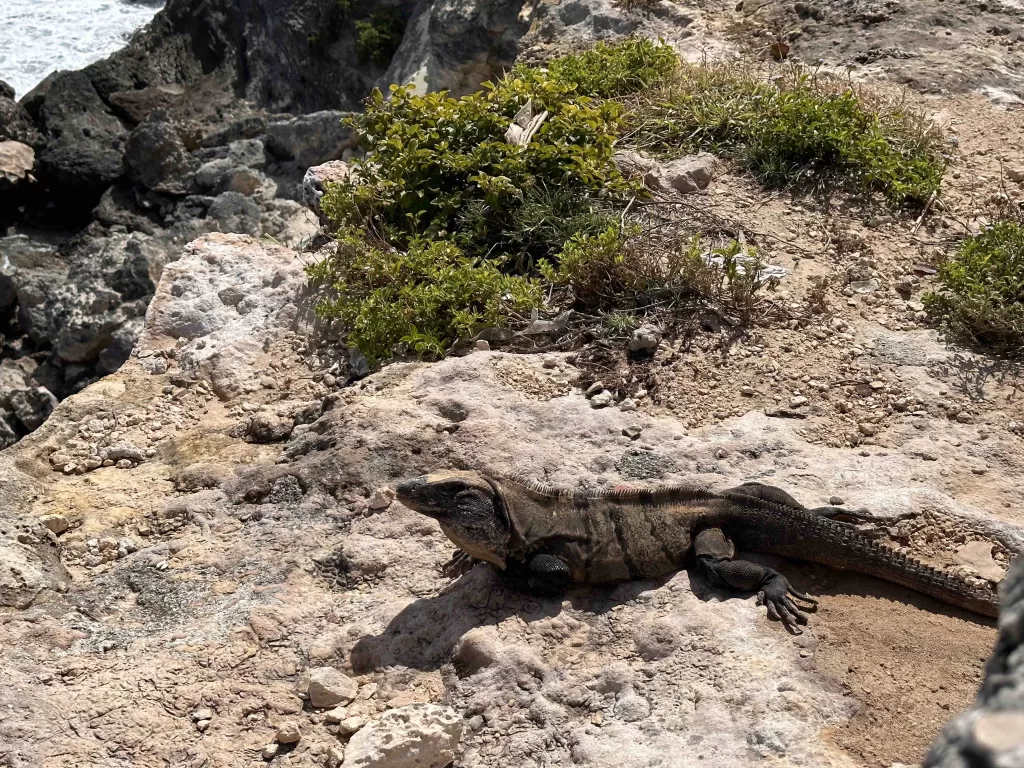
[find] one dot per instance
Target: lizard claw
(775, 596)
(459, 565)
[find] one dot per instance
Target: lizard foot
(459, 565)
(775, 596)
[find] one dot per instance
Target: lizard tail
(803, 534)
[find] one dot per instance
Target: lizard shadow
(424, 634)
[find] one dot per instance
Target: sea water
(38, 37)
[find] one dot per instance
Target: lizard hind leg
(715, 552)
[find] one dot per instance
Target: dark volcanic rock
(990, 734)
(157, 159)
(16, 124)
(85, 141)
(6, 91)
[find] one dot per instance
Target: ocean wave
(38, 37)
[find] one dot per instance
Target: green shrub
(981, 299)
(797, 129)
(378, 37)
(424, 298)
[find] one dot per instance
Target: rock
(26, 571)
(268, 428)
(594, 389)
(16, 163)
(156, 158)
(123, 450)
(415, 736)
(381, 498)
(328, 687)
(269, 752)
(316, 177)
(288, 733)
(1015, 174)
(56, 523)
(797, 402)
(16, 124)
(836, 501)
(350, 725)
(310, 139)
(645, 338)
(235, 213)
(138, 104)
(868, 430)
(685, 175)
(6, 90)
(633, 433)
(32, 406)
(977, 555)
(602, 399)
(633, 164)
(631, 707)
(627, 405)
(83, 155)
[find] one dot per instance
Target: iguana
(557, 537)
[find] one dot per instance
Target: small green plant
(423, 299)
(378, 37)
(798, 129)
(981, 299)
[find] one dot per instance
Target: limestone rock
(316, 177)
(328, 687)
(684, 175)
(288, 732)
(645, 338)
(16, 163)
(415, 736)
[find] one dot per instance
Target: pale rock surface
(259, 562)
(328, 687)
(416, 736)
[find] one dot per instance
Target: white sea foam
(38, 37)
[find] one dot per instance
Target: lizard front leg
(715, 553)
(548, 574)
(459, 565)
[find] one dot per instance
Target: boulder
(156, 158)
(414, 736)
(316, 177)
(84, 152)
(138, 104)
(16, 124)
(6, 91)
(310, 139)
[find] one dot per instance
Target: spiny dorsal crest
(621, 494)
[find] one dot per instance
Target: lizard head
(469, 508)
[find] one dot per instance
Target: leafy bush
(378, 37)
(423, 299)
(981, 300)
(797, 129)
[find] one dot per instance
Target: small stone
(330, 380)
(124, 464)
(482, 345)
(268, 383)
(645, 338)
(964, 417)
(336, 715)
(203, 713)
(288, 733)
(381, 498)
(56, 523)
(868, 430)
(977, 555)
(269, 752)
(329, 687)
(836, 501)
(877, 385)
(633, 433)
(93, 463)
(350, 725)
(69, 468)
(632, 707)
(550, 362)
(419, 735)
(335, 756)
(1015, 174)
(601, 399)
(748, 391)
(202, 725)
(797, 402)
(627, 405)
(594, 389)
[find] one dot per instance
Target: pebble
(329, 687)
(269, 752)
(287, 733)
(482, 345)
(748, 391)
(204, 713)
(202, 725)
(110, 462)
(796, 402)
(868, 430)
(594, 389)
(381, 498)
(633, 433)
(627, 405)
(836, 501)
(124, 464)
(350, 725)
(601, 399)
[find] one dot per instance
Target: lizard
(556, 537)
